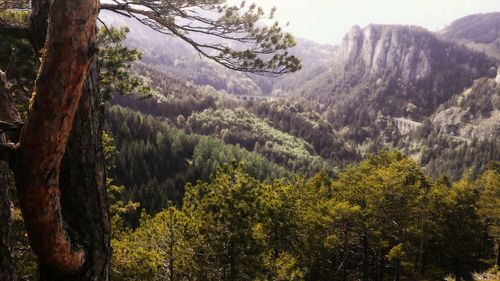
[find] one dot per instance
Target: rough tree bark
(64, 210)
(79, 224)
(82, 182)
(68, 47)
(82, 177)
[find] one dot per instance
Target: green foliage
(19, 62)
(115, 62)
(17, 58)
(173, 97)
(228, 211)
(24, 258)
(443, 154)
(241, 127)
(158, 250)
(458, 243)
(233, 34)
(155, 159)
(489, 203)
(118, 209)
(301, 121)
(380, 218)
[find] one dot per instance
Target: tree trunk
(458, 270)
(38, 24)
(65, 211)
(381, 265)
(69, 48)
(7, 271)
(82, 182)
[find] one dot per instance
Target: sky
(327, 21)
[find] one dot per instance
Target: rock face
(498, 76)
(411, 53)
(377, 48)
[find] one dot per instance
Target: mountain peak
(377, 48)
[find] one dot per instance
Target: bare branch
(16, 4)
(8, 113)
(107, 30)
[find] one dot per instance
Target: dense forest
(267, 189)
(297, 131)
(378, 160)
(381, 219)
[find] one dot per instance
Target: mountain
(383, 86)
(406, 87)
(402, 71)
(480, 32)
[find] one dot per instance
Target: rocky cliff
(376, 49)
(402, 71)
(411, 53)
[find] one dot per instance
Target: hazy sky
(327, 21)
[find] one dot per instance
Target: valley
(382, 87)
(197, 140)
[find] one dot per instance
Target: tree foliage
(382, 219)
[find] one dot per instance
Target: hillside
(382, 77)
(475, 113)
(480, 32)
(223, 115)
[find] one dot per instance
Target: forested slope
(480, 32)
(155, 160)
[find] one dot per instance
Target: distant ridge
(480, 32)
